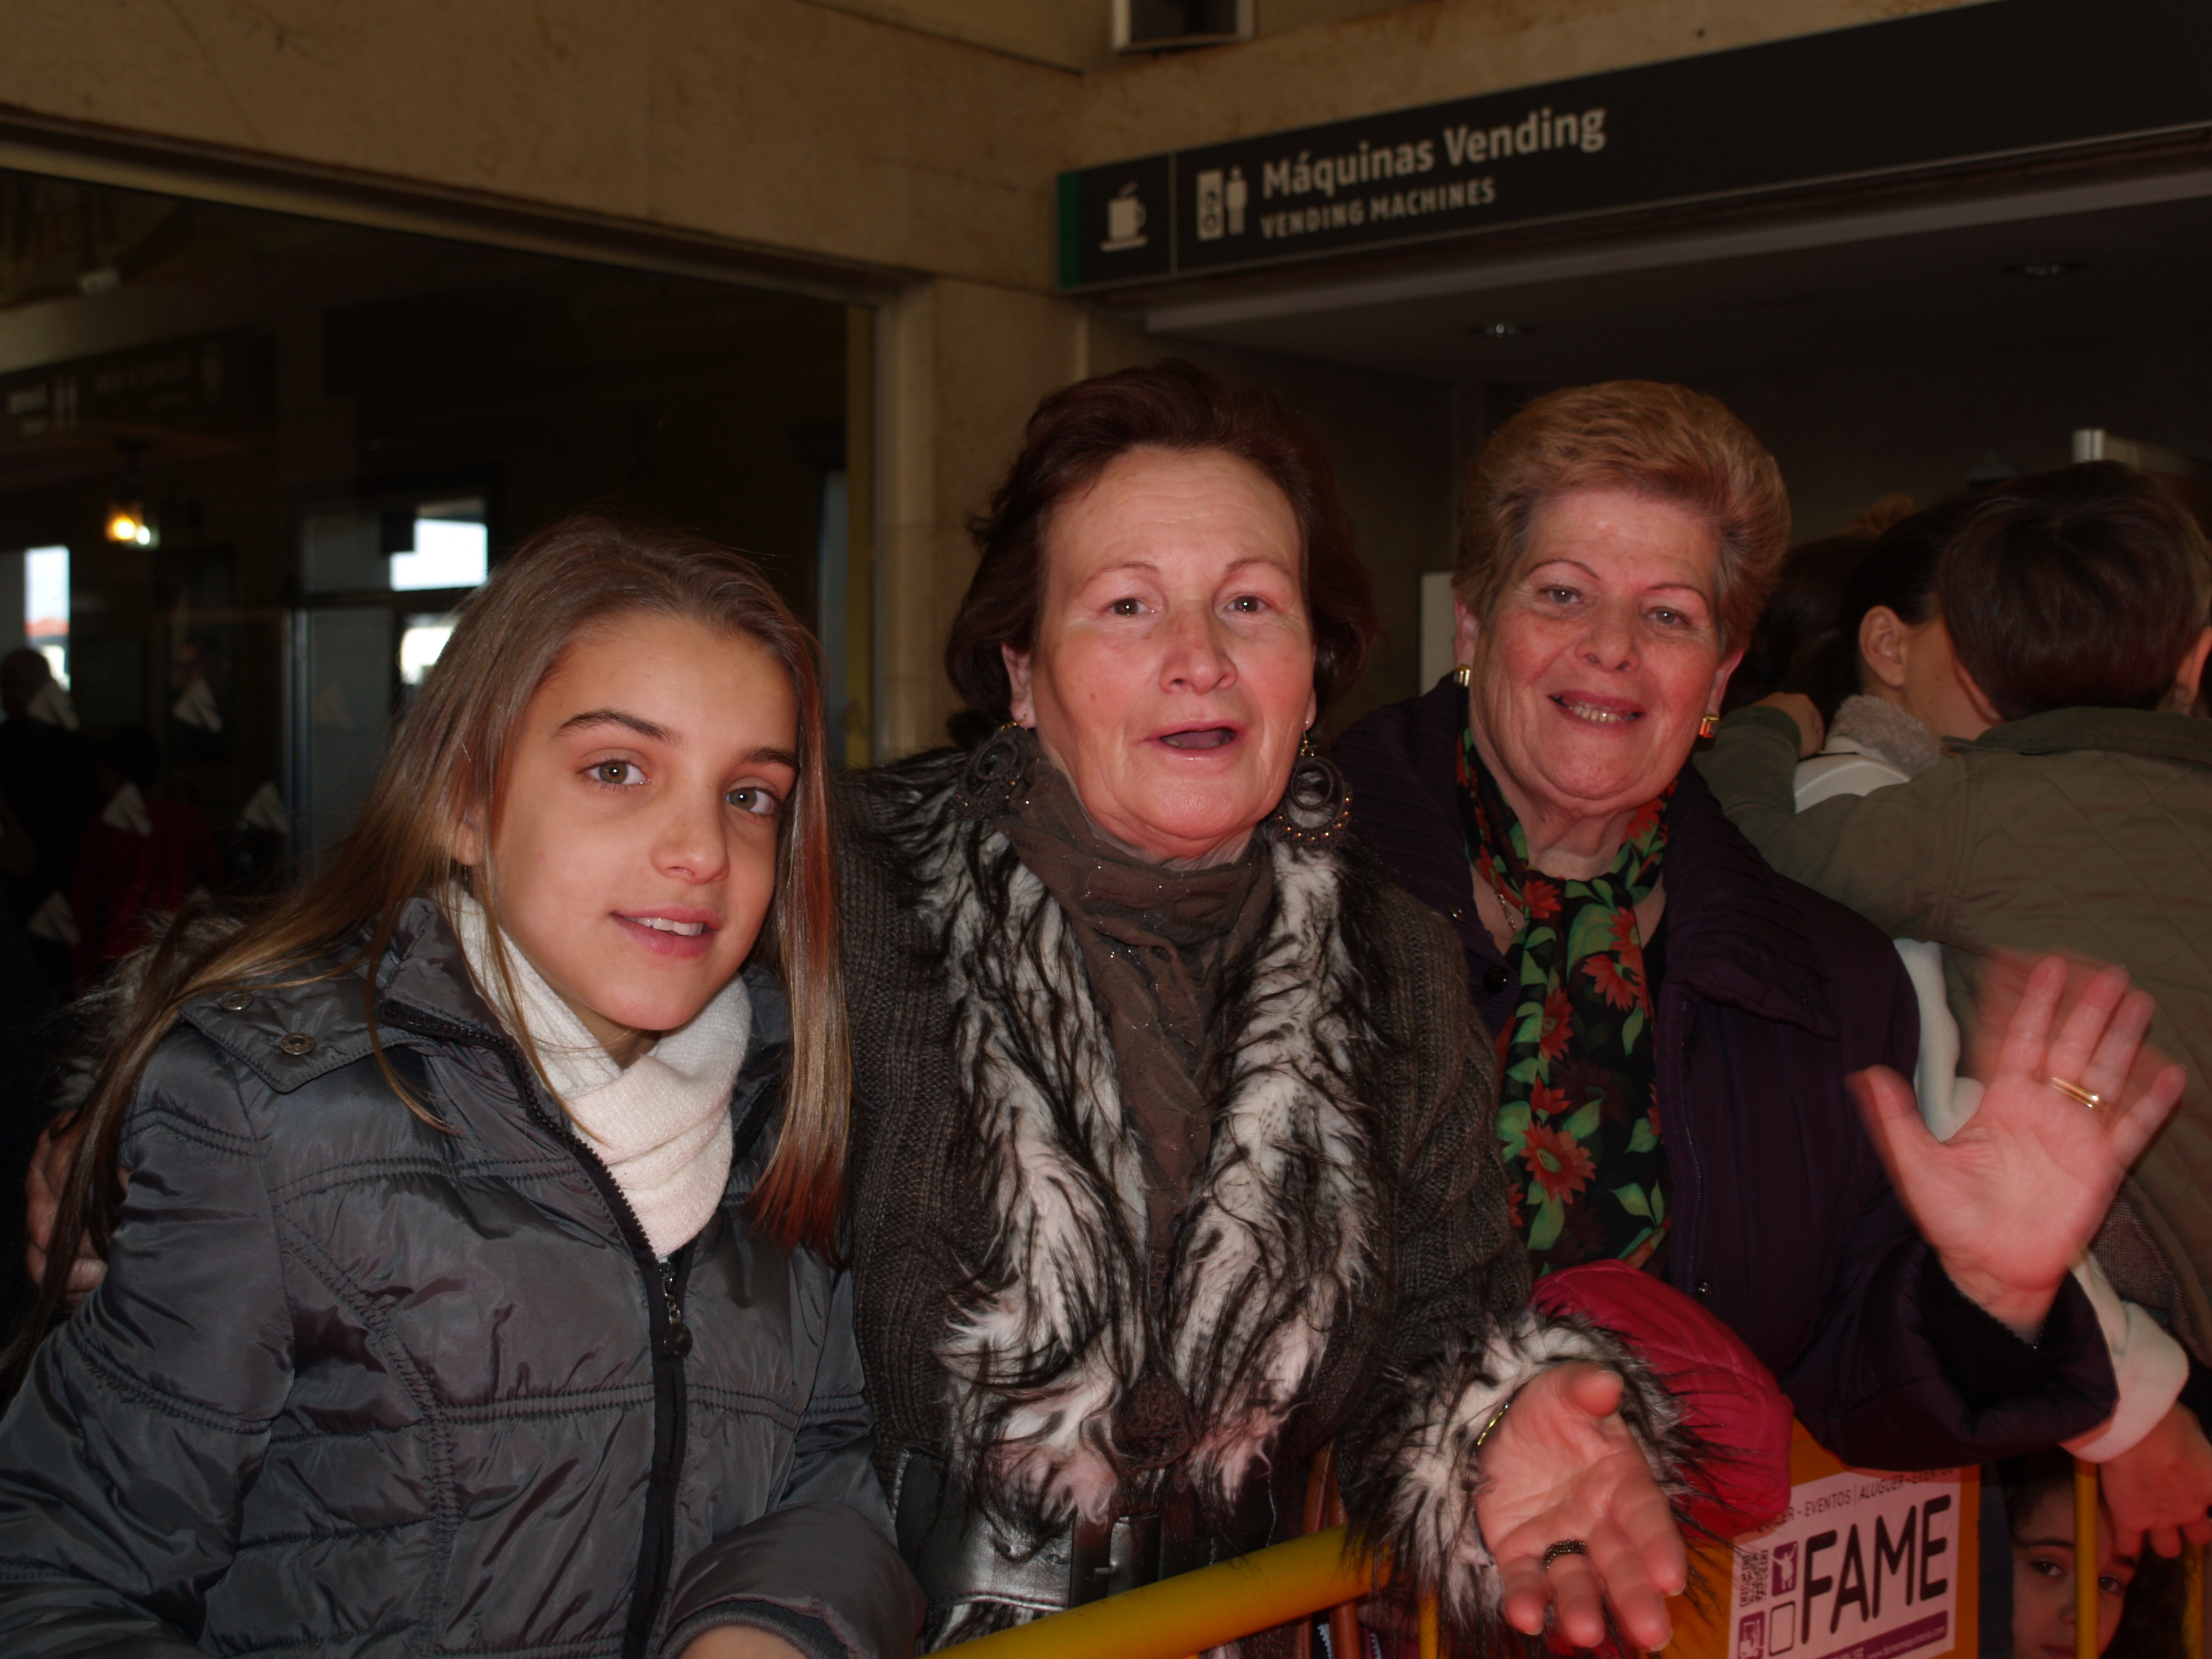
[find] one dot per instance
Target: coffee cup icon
(1125, 220)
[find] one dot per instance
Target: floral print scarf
(1576, 1111)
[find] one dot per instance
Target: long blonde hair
(446, 758)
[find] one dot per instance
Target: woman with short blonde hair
(1665, 442)
(1675, 1022)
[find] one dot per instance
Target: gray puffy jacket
(354, 1385)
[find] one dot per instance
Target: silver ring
(1565, 1546)
(2076, 1093)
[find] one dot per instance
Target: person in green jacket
(2082, 823)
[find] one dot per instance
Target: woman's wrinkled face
(635, 856)
(1172, 674)
(2043, 1581)
(1602, 655)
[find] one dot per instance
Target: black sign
(204, 381)
(1977, 82)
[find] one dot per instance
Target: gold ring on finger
(1565, 1546)
(2078, 1094)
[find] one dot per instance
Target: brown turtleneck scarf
(1154, 941)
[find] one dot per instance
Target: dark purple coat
(1784, 1223)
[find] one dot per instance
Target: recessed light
(1501, 331)
(2045, 267)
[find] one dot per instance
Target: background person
(49, 782)
(1910, 704)
(1798, 622)
(142, 856)
(1887, 683)
(2139, 1597)
(1676, 1020)
(2076, 601)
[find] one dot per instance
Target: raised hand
(2161, 1487)
(2014, 1198)
(1563, 1466)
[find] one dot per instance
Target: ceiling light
(1501, 331)
(127, 526)
(2044, 267)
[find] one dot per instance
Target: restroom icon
(1221, 203)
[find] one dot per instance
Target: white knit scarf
(661, 1124)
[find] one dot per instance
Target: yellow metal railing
(1289, 1582)
(1198, 1610)
(2087, 1560)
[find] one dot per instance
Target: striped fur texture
(1275, 1242)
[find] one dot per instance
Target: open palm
(2013, 1198)
(1562, 1465)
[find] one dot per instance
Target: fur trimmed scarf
(1057, 1325)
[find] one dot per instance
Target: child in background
(471, 1288)
(2076, 606)
(2138, 1595)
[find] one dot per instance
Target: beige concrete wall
(805, 128)
(1422, 53)
(1075, 34)
(962, 366)
(770, 122)
(780, 124)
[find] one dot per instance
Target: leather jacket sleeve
(163, 1384)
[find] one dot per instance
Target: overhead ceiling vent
(1164, 25)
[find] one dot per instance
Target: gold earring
(1707, 726)
(1464, 673)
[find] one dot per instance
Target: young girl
(2139, 1595)
(468, 1291)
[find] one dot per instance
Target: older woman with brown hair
(1174, 1169)
(1677, 1023)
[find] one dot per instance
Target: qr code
(1750, 1577)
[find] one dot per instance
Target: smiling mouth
(1211, 736)
(1591, 712)
(662, 925)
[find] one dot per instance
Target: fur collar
(1057, 1324)
(1873, 726)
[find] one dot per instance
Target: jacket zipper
(669, 1337)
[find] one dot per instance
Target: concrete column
(961, 365)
